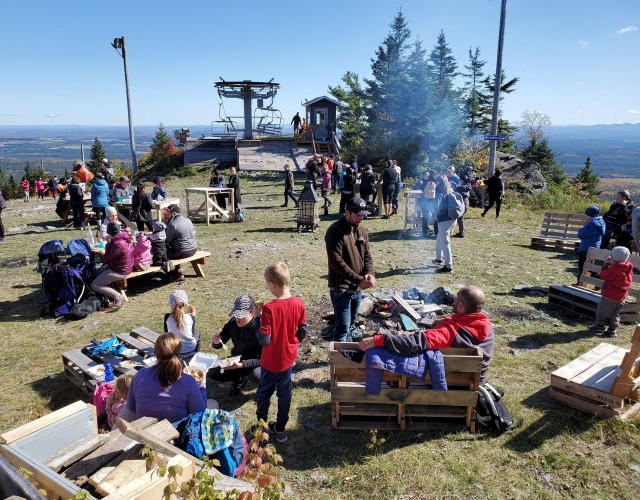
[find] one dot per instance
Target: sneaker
(437, 261)
(483, 214)
(459, 235)
(444, 269)
(168, 266)
(612, 333)
(597, 329)
(281, 436)
(285, 205)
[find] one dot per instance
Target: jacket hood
(100, 182)
(477, 324)
(122, 235)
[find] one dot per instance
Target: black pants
(288, 193)
(582, 258)
(141, 223)
(235, 375)
(78, 214)
(176, 254)
(497, 199)
(344, 198)
(101, 214)
(327, 201)
(1, 226)
(461, 218)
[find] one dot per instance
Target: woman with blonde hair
(163, 391)
(182, 321)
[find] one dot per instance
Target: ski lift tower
(247, 91)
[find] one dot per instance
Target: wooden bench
(584, 300)
(413, 404)
(197, 260)
(603, 381)
(559, 232)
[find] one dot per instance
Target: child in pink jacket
(141, 253)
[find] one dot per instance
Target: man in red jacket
(467, 327)
(617, 274)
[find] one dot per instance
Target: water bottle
(108, 372)
(90, 237)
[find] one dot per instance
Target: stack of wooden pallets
(559, 232)
(408, 403)
(603, 381)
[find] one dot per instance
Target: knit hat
(242, 307)
(178, 297)
(111, 211)
(113, 228)
(157, 180)
(158, 226)
(620, 254)
(593, 211)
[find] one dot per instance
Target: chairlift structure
(265, 119)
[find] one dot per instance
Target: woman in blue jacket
(100, 198)
(590, 234)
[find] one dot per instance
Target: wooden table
(157, 207)
(209, 207)
(119, 205)
(88, 209)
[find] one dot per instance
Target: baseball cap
(357, 206)
(173, 208)
(242, 306)
(124, 178)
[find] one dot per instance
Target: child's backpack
(491, 412)
(50, 253)
(81, 258)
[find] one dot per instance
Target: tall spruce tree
(587, 180)
(472, 90)
(97, 155)
(351, 117)
(505, 128)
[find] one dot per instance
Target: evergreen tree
(12, 188)
(159, 145)
(97, 155)
(485, 101)
(472, 97)
(587, 180)
(351, 117)
(540, 153)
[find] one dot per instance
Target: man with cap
(181, 237)
(159, 189)
(590, 234)
(122, 191)
(240, 329)
(350, 266)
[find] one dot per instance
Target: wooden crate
(410, 404)
(78, 366)
(603, 381)
(584, 297)
(559, 232)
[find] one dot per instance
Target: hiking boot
(597, 329)
(444, 269)
(459, 235)
(280, 436)
(612, 333)
(437, 261)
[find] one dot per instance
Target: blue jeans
(269, 383)
(345, 309)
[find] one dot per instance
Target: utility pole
(496, 91)
(118, 43)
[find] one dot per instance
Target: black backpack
(491, 412)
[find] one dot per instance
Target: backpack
(51, 252)
(81, 258)
(82, 310)
(491, 412)
(455, 206)
(239, 217)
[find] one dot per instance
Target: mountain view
(614, 149)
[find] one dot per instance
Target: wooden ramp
(272, 154)
(218, 150)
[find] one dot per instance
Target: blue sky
(577, 59)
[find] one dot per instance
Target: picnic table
(209, 208)
(158, 206)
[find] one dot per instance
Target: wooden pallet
(584, 297)
(559, 232)
(78, 366)
(409, 404)
(603, 381)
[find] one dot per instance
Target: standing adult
(288, 186)
(40, 185)
(354, 164)
(296, 121)
(495, 190)
(181, 238)
(389, 178)
(76, 200)
(108, 171)
(234, 183)
(398, 187)
(446, 220)
(616, 217)
(367, 183)
(350, 266)
(118, 255)
(336, 174)
(141, 207)
(452, 177)
(3, 205)
(348, 188)
(313, 170)
(99, 197)
(53, 186)
(25, 185)
(463, 189)
(427, 200)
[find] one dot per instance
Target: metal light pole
(118, 43)
(496, 91)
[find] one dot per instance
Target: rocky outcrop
(522, 175)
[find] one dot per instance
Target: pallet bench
(604, 381)
(413, 404)
(559, 232)
(197, 260)
(584, 297)
(79, 368)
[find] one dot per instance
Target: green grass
(552, 452)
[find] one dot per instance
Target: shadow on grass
(404, 272)
(23, 308)
(557, 419)
(391, 234)
(542, 339)
(273, 230)
(57, 391)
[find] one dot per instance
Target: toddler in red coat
(617, 274)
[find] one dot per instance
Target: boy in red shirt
(617, 274)
(283, 325)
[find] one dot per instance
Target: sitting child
(158, 245)
(182, 322)
(116, 406)
(141, 252)
(590, 234)
(617, 274)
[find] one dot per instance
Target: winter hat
(111, 211)
(178, 297)
(157, 180)
(593, 211)
(242, 307)
(158, 227)
(620, 254)
(113, 228)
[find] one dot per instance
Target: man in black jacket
(618, 215)
(350, 266)
(288, 186)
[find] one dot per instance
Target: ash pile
(389, 311)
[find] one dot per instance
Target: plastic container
(108, 372)
(90, 238)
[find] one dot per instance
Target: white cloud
(583, 43)
(53, 115)
(628, 29)
(634, 111)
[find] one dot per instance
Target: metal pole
(82, 151)
(132, 142)
(248, 122)
(496, 91)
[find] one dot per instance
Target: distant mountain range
(614, 149)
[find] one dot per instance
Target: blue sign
(494, 138)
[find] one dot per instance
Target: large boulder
(522, 175)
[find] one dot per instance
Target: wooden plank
(122, 474)
(580, 404)
(13, 483)
(599, 370)
(452, 363)
(74, 452)
(146, 334)
(137, 343)
(585, 392)
(355, 393)
(580, 364)
(42, 422)
(410, 310)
